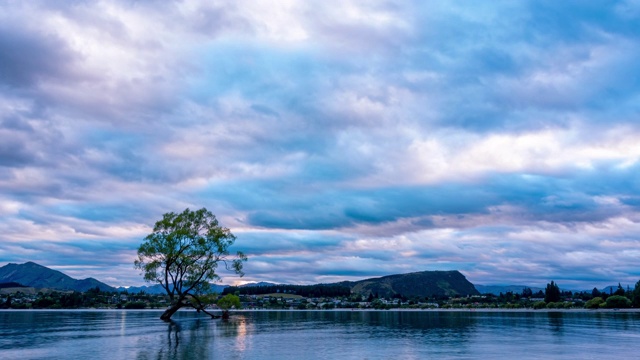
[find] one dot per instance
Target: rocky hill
(37, 276)
(423, 283)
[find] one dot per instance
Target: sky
(338, 140)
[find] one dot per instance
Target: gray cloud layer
(337, 142)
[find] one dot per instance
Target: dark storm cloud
(28, 56)
(14, 153)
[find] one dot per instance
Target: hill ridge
(437, 283)
(34, 275)
(419, 283)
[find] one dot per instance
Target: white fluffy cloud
(338, 141)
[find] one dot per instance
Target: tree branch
(201, 307)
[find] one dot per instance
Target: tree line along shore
(327, 298)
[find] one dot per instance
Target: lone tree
(182, 255)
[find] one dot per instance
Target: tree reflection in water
(556, 322)
(196, 339)
(173, 340)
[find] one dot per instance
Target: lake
(116, 334)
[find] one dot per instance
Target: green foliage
(43, 302)
(552, 293)
(73, 300)
(378, 304)
(618, 302)
(135, 305)
(594, 303)
(554, 305)
(539, 305)
(318, 290)
(636, 295)
(20, 306)
(619, 291)
(328, 305)
(183, 252)
(228, 302)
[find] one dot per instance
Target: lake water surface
(115, 334)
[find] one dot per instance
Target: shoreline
(629, 310)
(474, 310)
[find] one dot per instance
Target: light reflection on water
(318, 335)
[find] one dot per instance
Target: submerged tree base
(167, 314)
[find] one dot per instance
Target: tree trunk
(166, 316)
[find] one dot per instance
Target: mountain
(423, 283)
(158, 289)
(261, 283)
(613, 288)
(153, 289)
(33, 275)
(497, 289)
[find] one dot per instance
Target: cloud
(29, 57)
(338, 142)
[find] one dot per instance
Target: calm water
(319, 335)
